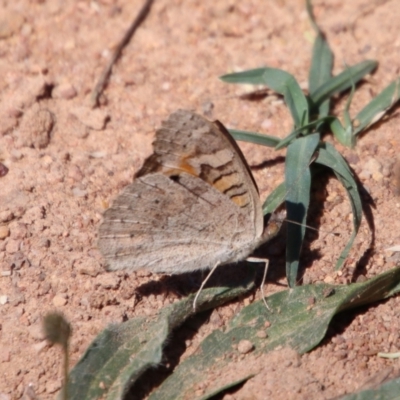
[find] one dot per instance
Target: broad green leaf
(254, 137)
(343, 81)
(298, 184)
(331, 158)
(387, 391)
(281, 82)
(293, 323)
(120, 354)
(378, 107)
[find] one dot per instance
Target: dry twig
(94, 98)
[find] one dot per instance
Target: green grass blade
(341, 134)
(343, 81)
(320, 71)
(254, 137)
(250, 76)
(281, 82)
(302, 131)
(329, 157)
(298, 183)
(378, 107)
(322, 57)
(344, 134)
(321, 63)
(274, 199)
(293, 323)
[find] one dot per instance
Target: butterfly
(193, 205)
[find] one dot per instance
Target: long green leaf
(329, 156)
(320, 71)
(377, 108)
(343, 81)
(281, 82)
(292, 321)
(254, 137)
(321, 63)
(298, 184)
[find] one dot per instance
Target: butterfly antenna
(312, 228)
(203, 284)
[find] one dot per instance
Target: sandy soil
(62, 163)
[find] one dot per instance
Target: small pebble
(3, 170)
(94, 119)
(64, 91)
(245, 346)
(10, 23)
(4, 231)
(36, 127)
(262, 334)
(59, 301)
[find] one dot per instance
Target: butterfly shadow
(230, 275)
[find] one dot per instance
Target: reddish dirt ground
(63, 163)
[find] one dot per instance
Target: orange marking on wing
(226, 182)
(182, 166)
(185, 166)
(241, 200)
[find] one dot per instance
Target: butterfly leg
(203, 283)
(255, 259)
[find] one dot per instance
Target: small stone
(10, 23)
(4, 231)
(262, 334)
(52, 387)
(59, 301)
(5, 356)
(79, 192)
(3, 300)
(64, 91)
(3, 170)
(12, 246)
(36, 127)
(329, 279)
(6, 216)
(109, 281)
(94, 119)
(37, 332)
(85, 266)
(245, 346)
